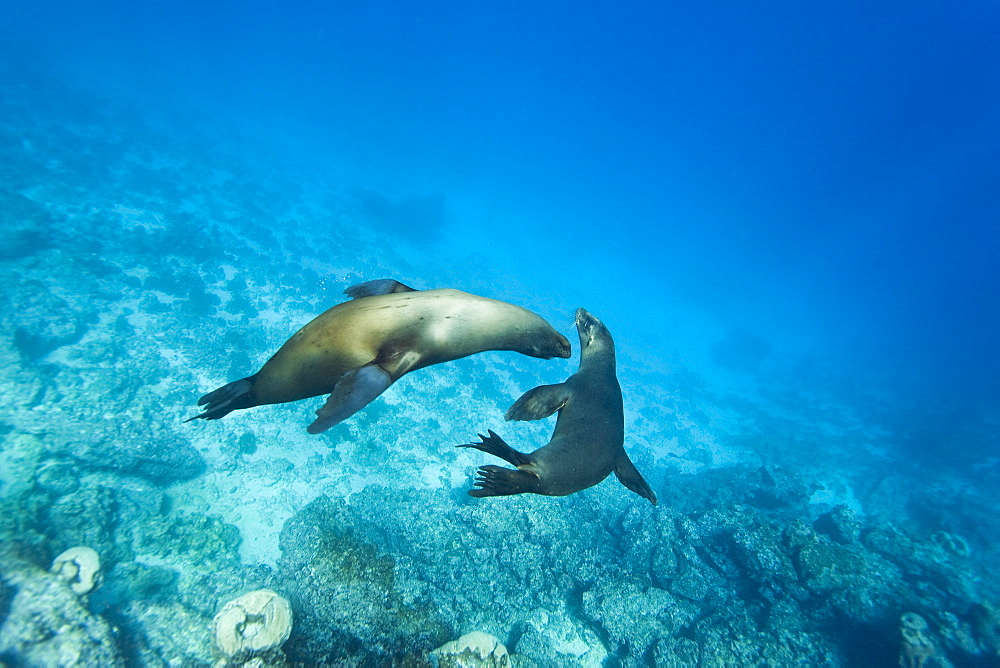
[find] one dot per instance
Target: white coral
(80, 567)
(473, 650)
(254, 622)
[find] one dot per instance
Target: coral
(255, 622)
(986, 622)
(918, 649)
(473, 650)
(951, 543)
(80, 567)
(956, 634)
(929, 565)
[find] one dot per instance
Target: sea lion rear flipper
(228, 398)
(629, 476)
(382, 286)
(353, 391)
(539, 403)
(497, 447)
(498, 481)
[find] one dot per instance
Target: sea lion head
(594, 336)
(546, 344)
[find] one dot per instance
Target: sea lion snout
(545, 344)
(560, 347)
(589, 328)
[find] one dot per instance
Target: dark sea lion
(357, 349)
(588, 442)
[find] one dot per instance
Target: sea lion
(588, 441)
(357, 349)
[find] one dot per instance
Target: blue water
(788, 217)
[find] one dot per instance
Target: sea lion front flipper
(539, 403)
(496, 446)
(353, 391)
(629, 476)
(498, 481)
(382, 286)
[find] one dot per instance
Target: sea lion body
(356, 349)
(588, 441)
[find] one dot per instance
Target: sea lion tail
(629, 476)
(496, 446)
(228, 398)
(498, 481)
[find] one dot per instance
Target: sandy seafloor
(147, 261)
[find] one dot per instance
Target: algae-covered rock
(164, 633)
(344, 592)
(191, 538)
(635, 617)
(84, 517)
(41, 320)
(473, 650)
(986, 622)
(57, 478)
(129, 448)
(841, 524)
(854, 582)
(48, 626)
(26, 224)
(255, 622)
(551, 639)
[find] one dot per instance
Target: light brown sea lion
(357, 349)
(588, 441)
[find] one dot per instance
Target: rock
(255, 622)
(634, 617)
(164, 634)
(85, 517)
(27, 226)
(48, 626)
(42, 321)
(344, 591)
(131, 450)
(556, 639)
(57, 478)
(840, 524)
(473, 650)
(80, 567)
